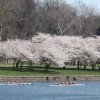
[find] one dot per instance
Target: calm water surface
(42, 91)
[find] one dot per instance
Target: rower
(73, 81)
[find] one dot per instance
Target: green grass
(6, 70)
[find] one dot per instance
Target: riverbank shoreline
(48, 78)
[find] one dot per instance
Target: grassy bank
(7, 70)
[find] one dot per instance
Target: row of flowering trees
(53, 49)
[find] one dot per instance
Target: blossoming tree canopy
(20, 49)
(62, 49)
(58, 49)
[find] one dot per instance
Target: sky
(94, 3)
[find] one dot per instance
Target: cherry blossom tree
(19, 51)
(53, 49)
(60, 49)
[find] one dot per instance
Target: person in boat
(68, 82)
(62, 82)
(73, 81)
(19, 81)
(8, 81)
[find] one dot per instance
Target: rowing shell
(68, 85)
(16, 84)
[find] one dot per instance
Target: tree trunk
(79, 64)
(17, 63)
(47, 65)
(93, 66)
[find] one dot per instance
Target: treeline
(22, 19)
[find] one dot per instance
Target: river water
(43, 91)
